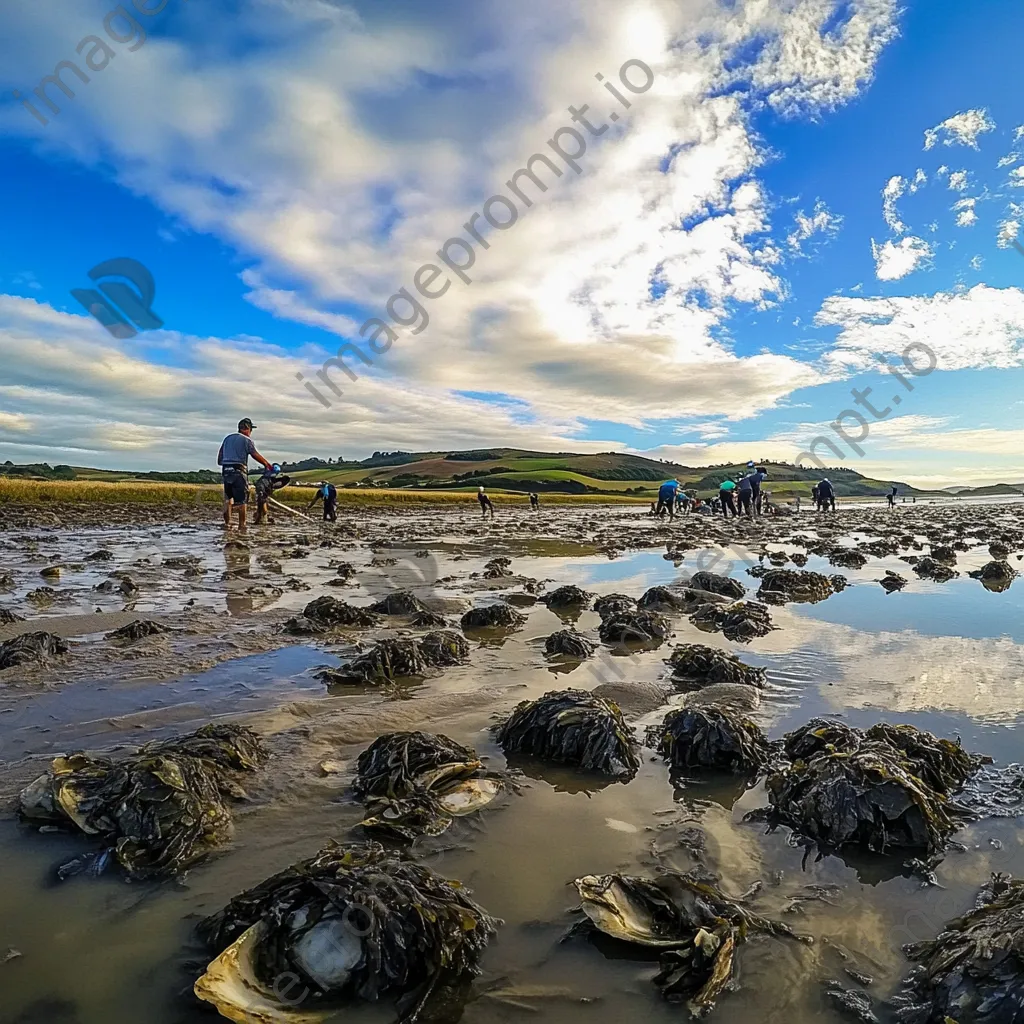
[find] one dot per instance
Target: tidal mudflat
(321, 639)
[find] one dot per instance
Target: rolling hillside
(517, 470)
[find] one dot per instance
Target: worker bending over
(485, 503)
(328, 494)
(826, 495)
(667, 498)
(271, 480)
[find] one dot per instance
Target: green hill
(519, 470)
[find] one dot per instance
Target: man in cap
(233, 458)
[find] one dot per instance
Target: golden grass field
(14, 491)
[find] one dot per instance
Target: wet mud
(163, 625)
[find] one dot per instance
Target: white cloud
(977, 262)
(1008, 232)
(961, 129)
(895, 260)
(563, 314)
(968, 329)
(958, 181)
(965, 214)
(920, 180)
(821, 221)
(894, 189)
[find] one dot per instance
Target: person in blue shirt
(667, 498)
(233, 458)
(328, 494)
(826, 495)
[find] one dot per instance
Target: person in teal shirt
(726, 494)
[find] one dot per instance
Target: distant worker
(328, 494)
(534, 501)
(485, 503)
(725, 497)
(667, 498)
(798, 504)
(892, 497)
(815, 498)
(745, 493)
(682, 502)
(759, 476)
(271, 480)
(826, 495)
(233, 458)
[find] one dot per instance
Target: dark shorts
(236, 486)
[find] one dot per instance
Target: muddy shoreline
(940, 652)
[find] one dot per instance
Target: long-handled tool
(279, 504)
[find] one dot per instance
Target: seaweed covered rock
(943, 764)
(847, 558)
(7, 617)
(943, 553)
(973, 972)
(568, 643)
(716, 584)
(400, 602)
(493, 616)
(689, 918)
(929, 568)
(572, 727)
(37, 648)
(634, 628)
(781, 585)
(392, 659)
(661, 599)
(869, 797)
(137, 630)
(497, 568)
(742, 621)
(613, 604)
(821, 735)
(157, 811)
(569, 598)
(710, 737)
(892, 581)
(417, 934)
(329, 613)
(429, 620)
(697, 665)
(995, 575)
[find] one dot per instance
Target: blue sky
(712, 285)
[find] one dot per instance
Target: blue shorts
(236, 486)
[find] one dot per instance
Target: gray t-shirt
(235, 450)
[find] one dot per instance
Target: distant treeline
(44, 471)
(38, 471)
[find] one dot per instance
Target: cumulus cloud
(383, 127)
(961, 129)
(895, 260)
(958, 181)
(965, 213)
(967, 329)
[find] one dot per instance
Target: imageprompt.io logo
(135, 313)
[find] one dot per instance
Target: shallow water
(945, 657)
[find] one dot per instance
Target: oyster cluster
(158, 811)
(354, 921)
(415, 783)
